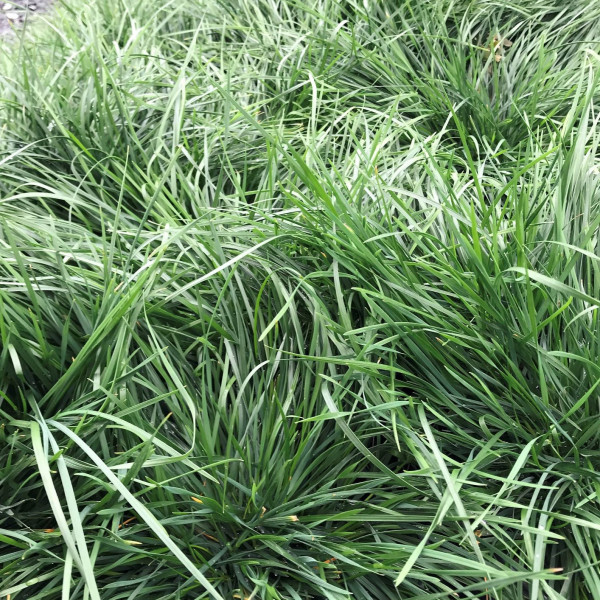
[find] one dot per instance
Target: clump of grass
(299, 300)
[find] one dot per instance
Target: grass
(298, 299)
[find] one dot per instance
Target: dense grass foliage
(300, 300)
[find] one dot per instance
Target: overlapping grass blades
(299, 300)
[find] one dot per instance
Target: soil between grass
(14, 16)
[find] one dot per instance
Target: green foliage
(299, 300)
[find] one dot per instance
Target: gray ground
(14, 14)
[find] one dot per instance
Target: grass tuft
(299, 299)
